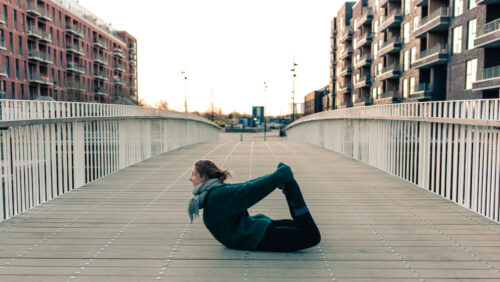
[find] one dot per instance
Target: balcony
(421, 3)
(366, 17)
(344, 88)
(132, 73)
(345, 72)
(75, 49)
(487, 2)
(100, 59)
(100, 43)
(76, 86)
(345, 53)
(383, 3)
(421, 93)
(118, 81)
(39, 56)
(437, 55)
(393, 19)
(119, 67)
(39, 34)
(40, 79)
(488, 35)
(365, 39)
(363, 61)
(132, 59)
(74, 67)
(392, 45)
(33, 9)
(118, 52)
(100, 76)
(45, 16)
(75, 31)
(390, 72)
(2, 45)
(3, 70)
(346, 35)
(439, 20)
(101, 92)
(3, 94)
(360, 102)
(365, 81)
(2, 18)
(489, 78)
(388, 97)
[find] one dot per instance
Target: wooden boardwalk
(133, 226)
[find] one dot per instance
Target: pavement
(132, 225)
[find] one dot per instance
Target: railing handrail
(394, 66)
(488, 27)
(396, 12)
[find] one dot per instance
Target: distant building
(59, 50)
(313, 102)
(258, 115)
(385, 51)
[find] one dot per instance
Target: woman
(225, 210)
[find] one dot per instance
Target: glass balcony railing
(491, 72)
(119, 67)
(75, 48)
(39, 33)
(487, 28)
(389, 17)
(75, 67)
(101, 75)
(395, 39)
(100, 59)
(40, 56)
(393, 67)
(439, 48)
(441, 12)
(389, 94)
(118, 52)
(75, 30)
(40, 78)
(100, 43)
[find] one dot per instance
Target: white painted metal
(41, 161)
(445, 147)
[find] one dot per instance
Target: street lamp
(185, 91)
(265, 119)
(293, 89)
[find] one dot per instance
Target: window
(25, 71)
(406, 61)
(19, 3)
(11, 42)
(470, 75)
(13, 89)
(375, 49)
(471, 33)
(15, 20)
(405, 88)
(413, 55)
(407, 7)
(380, 68)
(458, 6)
(22, 92)
(415, 23)
(17, 69)
(472, 4)
(406, 32)
(374, 93)
(457, 40)
(20, 46)
(375, 27)
(5, 15)
(412, 85)
(23, 23)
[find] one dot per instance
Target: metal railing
(487, 28)
(101, 43)
(395, 39)
(51, 148)
(450, 148)
(393, 67)
(488, 73)
(46, 57)
(75, 48)
(394, 13)
(76, 67)
(75, 30)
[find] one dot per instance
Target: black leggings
(290, 235)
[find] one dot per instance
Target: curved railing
(50, 148)
(451, 148)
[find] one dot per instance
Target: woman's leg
(290, 235)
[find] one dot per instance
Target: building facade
(415, 50)
(59, 50)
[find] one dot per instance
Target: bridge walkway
(133, 226)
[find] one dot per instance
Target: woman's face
(195, 177)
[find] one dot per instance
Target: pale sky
(229, 47)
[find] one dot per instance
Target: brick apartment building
(385, 51)
(59, 50)
(316, 101)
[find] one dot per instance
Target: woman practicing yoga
(225, 210)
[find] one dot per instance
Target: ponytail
(209, 169)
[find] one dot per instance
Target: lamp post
(293, 89)
(185, 91)
(265, 119)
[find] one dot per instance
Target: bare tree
(162, 105)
